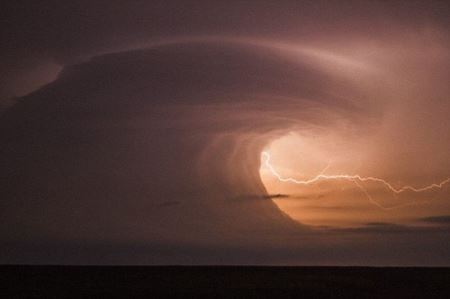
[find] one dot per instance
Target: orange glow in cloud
(357, 179)
(330, 196)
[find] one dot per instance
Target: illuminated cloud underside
(357, 179)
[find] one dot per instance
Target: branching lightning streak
(357, 179)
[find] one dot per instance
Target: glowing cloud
(357, 179)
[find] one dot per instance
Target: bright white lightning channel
(357, 179)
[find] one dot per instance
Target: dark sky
(132, 132)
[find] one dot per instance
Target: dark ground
(230, 281)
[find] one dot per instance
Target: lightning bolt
(357, 179)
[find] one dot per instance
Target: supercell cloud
(133, 133)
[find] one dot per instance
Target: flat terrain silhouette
(222, 281)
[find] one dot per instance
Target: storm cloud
(134, 132)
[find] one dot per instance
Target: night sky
(225, 132)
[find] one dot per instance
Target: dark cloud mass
(134, 131)
(444, 220)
